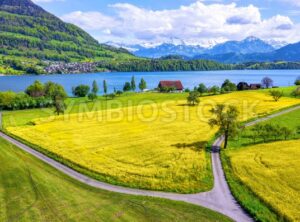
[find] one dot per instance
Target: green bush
(17, 101)
(81, 90)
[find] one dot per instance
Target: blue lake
(117, 80)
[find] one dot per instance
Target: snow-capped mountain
(179, 47)
(246, 46)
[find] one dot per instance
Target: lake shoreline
(189, 79)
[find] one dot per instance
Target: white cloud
(197, 23)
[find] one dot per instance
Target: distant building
(170, 86)
(255, 86)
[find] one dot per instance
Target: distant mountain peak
(24, 7)
(16, 2)
(251, 39)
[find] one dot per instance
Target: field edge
(109, 179)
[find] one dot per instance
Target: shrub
(296, 92)
(17, 101)
(81, 91)
(92, 96)
(276, 94)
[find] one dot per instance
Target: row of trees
(226, 119)
(270, 132)
(37, 95)
(131, 86)
(85, 90)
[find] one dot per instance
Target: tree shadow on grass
(196, 146)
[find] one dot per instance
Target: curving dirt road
(218, 199)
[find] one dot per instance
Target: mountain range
(251, 49)
(34, 41)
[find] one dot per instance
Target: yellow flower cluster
(272, 172)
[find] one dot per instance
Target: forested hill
(28, 31)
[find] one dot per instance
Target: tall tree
(104, 87)
(95, 87)
(267, 82)
(142, 85)
(37, 89)
(54, 91)
(127, 87)
(193, 98)
(226, 118)
(59, 106)
(202, 89)
(132, 84)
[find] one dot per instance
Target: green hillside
(29, 34)
(34, 41)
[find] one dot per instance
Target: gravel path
(218, 199)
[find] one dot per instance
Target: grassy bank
(33, 191)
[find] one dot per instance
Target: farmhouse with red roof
(171, 86)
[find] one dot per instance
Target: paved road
(218, 199)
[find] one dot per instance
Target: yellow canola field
(154, 146)
(272, 172)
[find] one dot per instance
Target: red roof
(171, 84)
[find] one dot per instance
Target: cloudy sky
(202, 22)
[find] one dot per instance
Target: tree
(132, 84)
(242, 86)
(286, 132)
(226, 118)
(142, 85)
(81, 90)
(256, 131)
(202, 89)
(228, 86)
(92, 96)
(297, 81)
(54, 91)
(104, 87)
(127, 87)
(276, 94)
(111, 96)
(59, 106)
(193, 98)
(296, 92)
(214, 90)
(267, 82)
(95, 88)
(36, 89)
(119, 93)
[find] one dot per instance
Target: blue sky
(203, 22)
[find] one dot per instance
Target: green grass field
(83, 105)
(263, 177)
(33, 191)
(291, 120)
